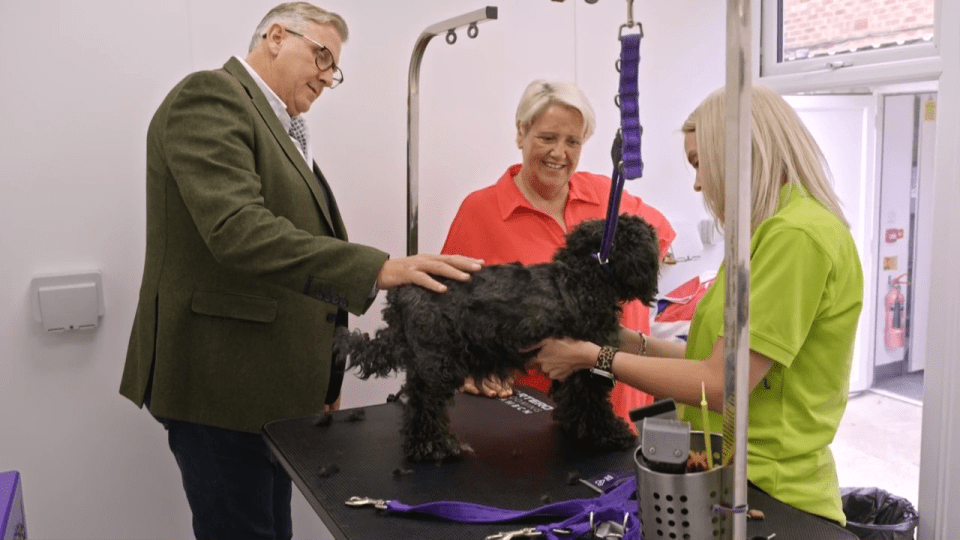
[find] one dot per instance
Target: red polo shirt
(498, 224)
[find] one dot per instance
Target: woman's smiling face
(551, 148)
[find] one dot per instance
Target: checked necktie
(298, 130)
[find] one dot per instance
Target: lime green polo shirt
(806, 292)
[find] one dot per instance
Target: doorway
(879, 147)
(904, 242)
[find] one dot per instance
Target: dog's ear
(582, 241)
(635, 258)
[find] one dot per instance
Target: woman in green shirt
(806, 292)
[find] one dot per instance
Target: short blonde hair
(540, 94)
(298, 16)
(782, 151)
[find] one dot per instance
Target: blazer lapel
(338, 227)
(235, 68)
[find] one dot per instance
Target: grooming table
(517, 459)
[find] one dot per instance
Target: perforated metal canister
(682, 506)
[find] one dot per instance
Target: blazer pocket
(235, 306)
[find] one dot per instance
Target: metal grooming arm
(470, 20)
(739, 92)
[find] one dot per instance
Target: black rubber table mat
(515, 458)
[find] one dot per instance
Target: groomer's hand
(491, 386)
(560, 358)
(419, 269)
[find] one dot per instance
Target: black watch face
(603, 377)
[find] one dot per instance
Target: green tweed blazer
(247, 263)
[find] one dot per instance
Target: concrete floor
(878, 444)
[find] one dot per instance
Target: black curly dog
(477, 328)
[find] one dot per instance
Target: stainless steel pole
(737, 176)
(413, 108)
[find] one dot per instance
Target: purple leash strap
(465, 512)
(627, 160)
(630, 105)
(617, 505)
(610, 226)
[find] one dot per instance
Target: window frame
(911, 63)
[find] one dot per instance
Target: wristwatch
(604, 367)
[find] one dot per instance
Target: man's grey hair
(298, 16)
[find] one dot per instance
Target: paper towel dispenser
(68, 301)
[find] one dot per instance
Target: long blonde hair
(782, 152)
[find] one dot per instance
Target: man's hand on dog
(419, 269)
(491, 386)
(560, 358)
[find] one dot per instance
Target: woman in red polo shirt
(525, 216)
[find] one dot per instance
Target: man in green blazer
(248, 270)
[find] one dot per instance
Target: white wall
(82, 79)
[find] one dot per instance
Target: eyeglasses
(324, 60)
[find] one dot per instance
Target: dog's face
(634, 258)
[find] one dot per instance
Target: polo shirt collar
(510, 200)
(789, 192)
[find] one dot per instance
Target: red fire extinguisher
(894, 334)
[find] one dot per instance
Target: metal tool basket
(682, 506)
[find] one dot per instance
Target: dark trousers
(234, 487)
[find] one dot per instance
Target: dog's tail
(374, 356)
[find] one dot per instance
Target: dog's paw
(433, 450)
